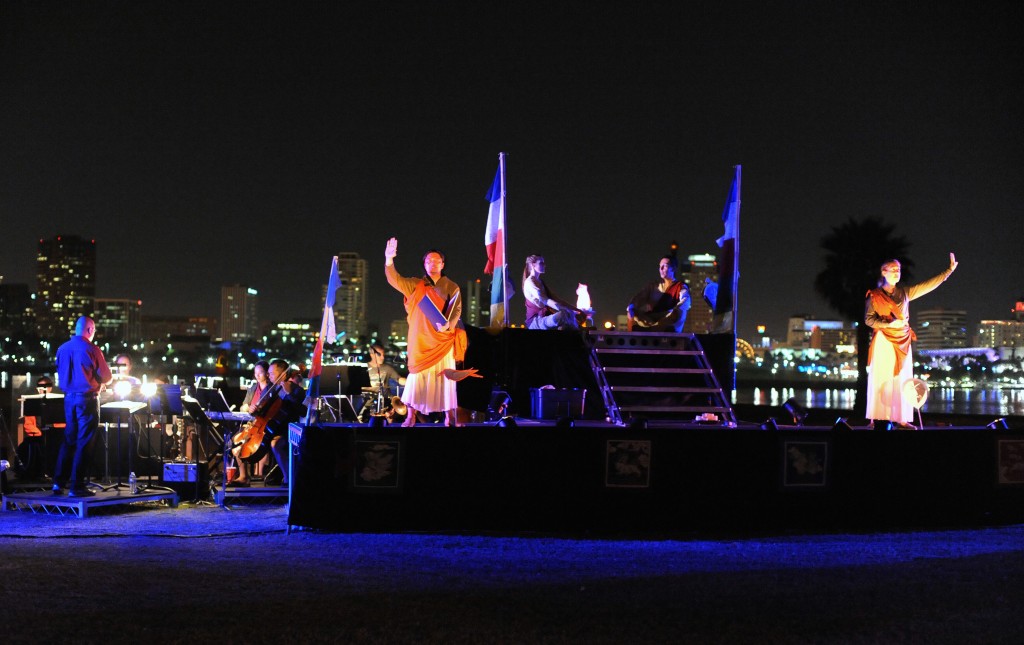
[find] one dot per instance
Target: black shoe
(57, 489)
(234, 483)
(80, 492)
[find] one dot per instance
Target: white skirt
(429, 390)
(885, 391)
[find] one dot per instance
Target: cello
(247, 444)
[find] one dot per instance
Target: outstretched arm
(931, 284)
(390, 251)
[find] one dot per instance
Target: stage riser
(546, 479)
(146, 461)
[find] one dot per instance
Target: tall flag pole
(728, 267)
(329, 333)
(495, 241)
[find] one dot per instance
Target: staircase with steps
(656, 377)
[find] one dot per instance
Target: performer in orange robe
(887, 311)
(433, 305)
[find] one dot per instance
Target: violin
(247, 444)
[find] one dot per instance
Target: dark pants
(81, 413)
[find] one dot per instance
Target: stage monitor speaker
(189, 479)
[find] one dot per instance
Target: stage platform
(597, 477)
(45, 502)
(256, 494)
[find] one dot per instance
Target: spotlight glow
(122, 388)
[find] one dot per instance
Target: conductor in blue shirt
(82, 371)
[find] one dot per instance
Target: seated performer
(260, 384)
(281, 405)
(545, 310)
(381, 373)
(123, 370)
(382, 377)
(662, 304)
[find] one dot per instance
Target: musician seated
(382, 374)
(260, 384)
(661, 305)
(545, 310)
(280, 405)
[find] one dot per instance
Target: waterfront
(983, 400)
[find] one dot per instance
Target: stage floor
(546, 476)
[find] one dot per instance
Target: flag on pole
(494, 240)
(328, 332)
(728, 268)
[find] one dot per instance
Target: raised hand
(391, 250)
(952, 262)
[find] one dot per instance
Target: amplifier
(181, 472)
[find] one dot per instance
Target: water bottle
(133, 483)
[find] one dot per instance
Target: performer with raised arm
(433, 306)
(890, 365)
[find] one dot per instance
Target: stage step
(656, 376)
(252, 495)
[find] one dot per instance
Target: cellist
(284, 400)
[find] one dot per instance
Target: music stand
(118, 410)
(212, 399)
(195, 411)
(165, 402)
(48, 407)
(350, 380)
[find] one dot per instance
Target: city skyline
(209, 144)
(356, 291)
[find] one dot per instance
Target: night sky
(206, 143)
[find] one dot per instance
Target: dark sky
(206, 143)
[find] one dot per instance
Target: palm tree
(854, 253)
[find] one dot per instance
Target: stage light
(998, 424)
(796, 411)
(770, 424)
(506, 422)
(123, 388)
(842, 425)
(148, 390)
(500, 400)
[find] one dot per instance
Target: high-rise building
(238, 312)
(701, 266)
(807, 332)
(940, 328)
(1001, 334)
(163, 327)
(473, 309)
(118, 319)
(16, 314)
(65, 283)
(350, 300)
